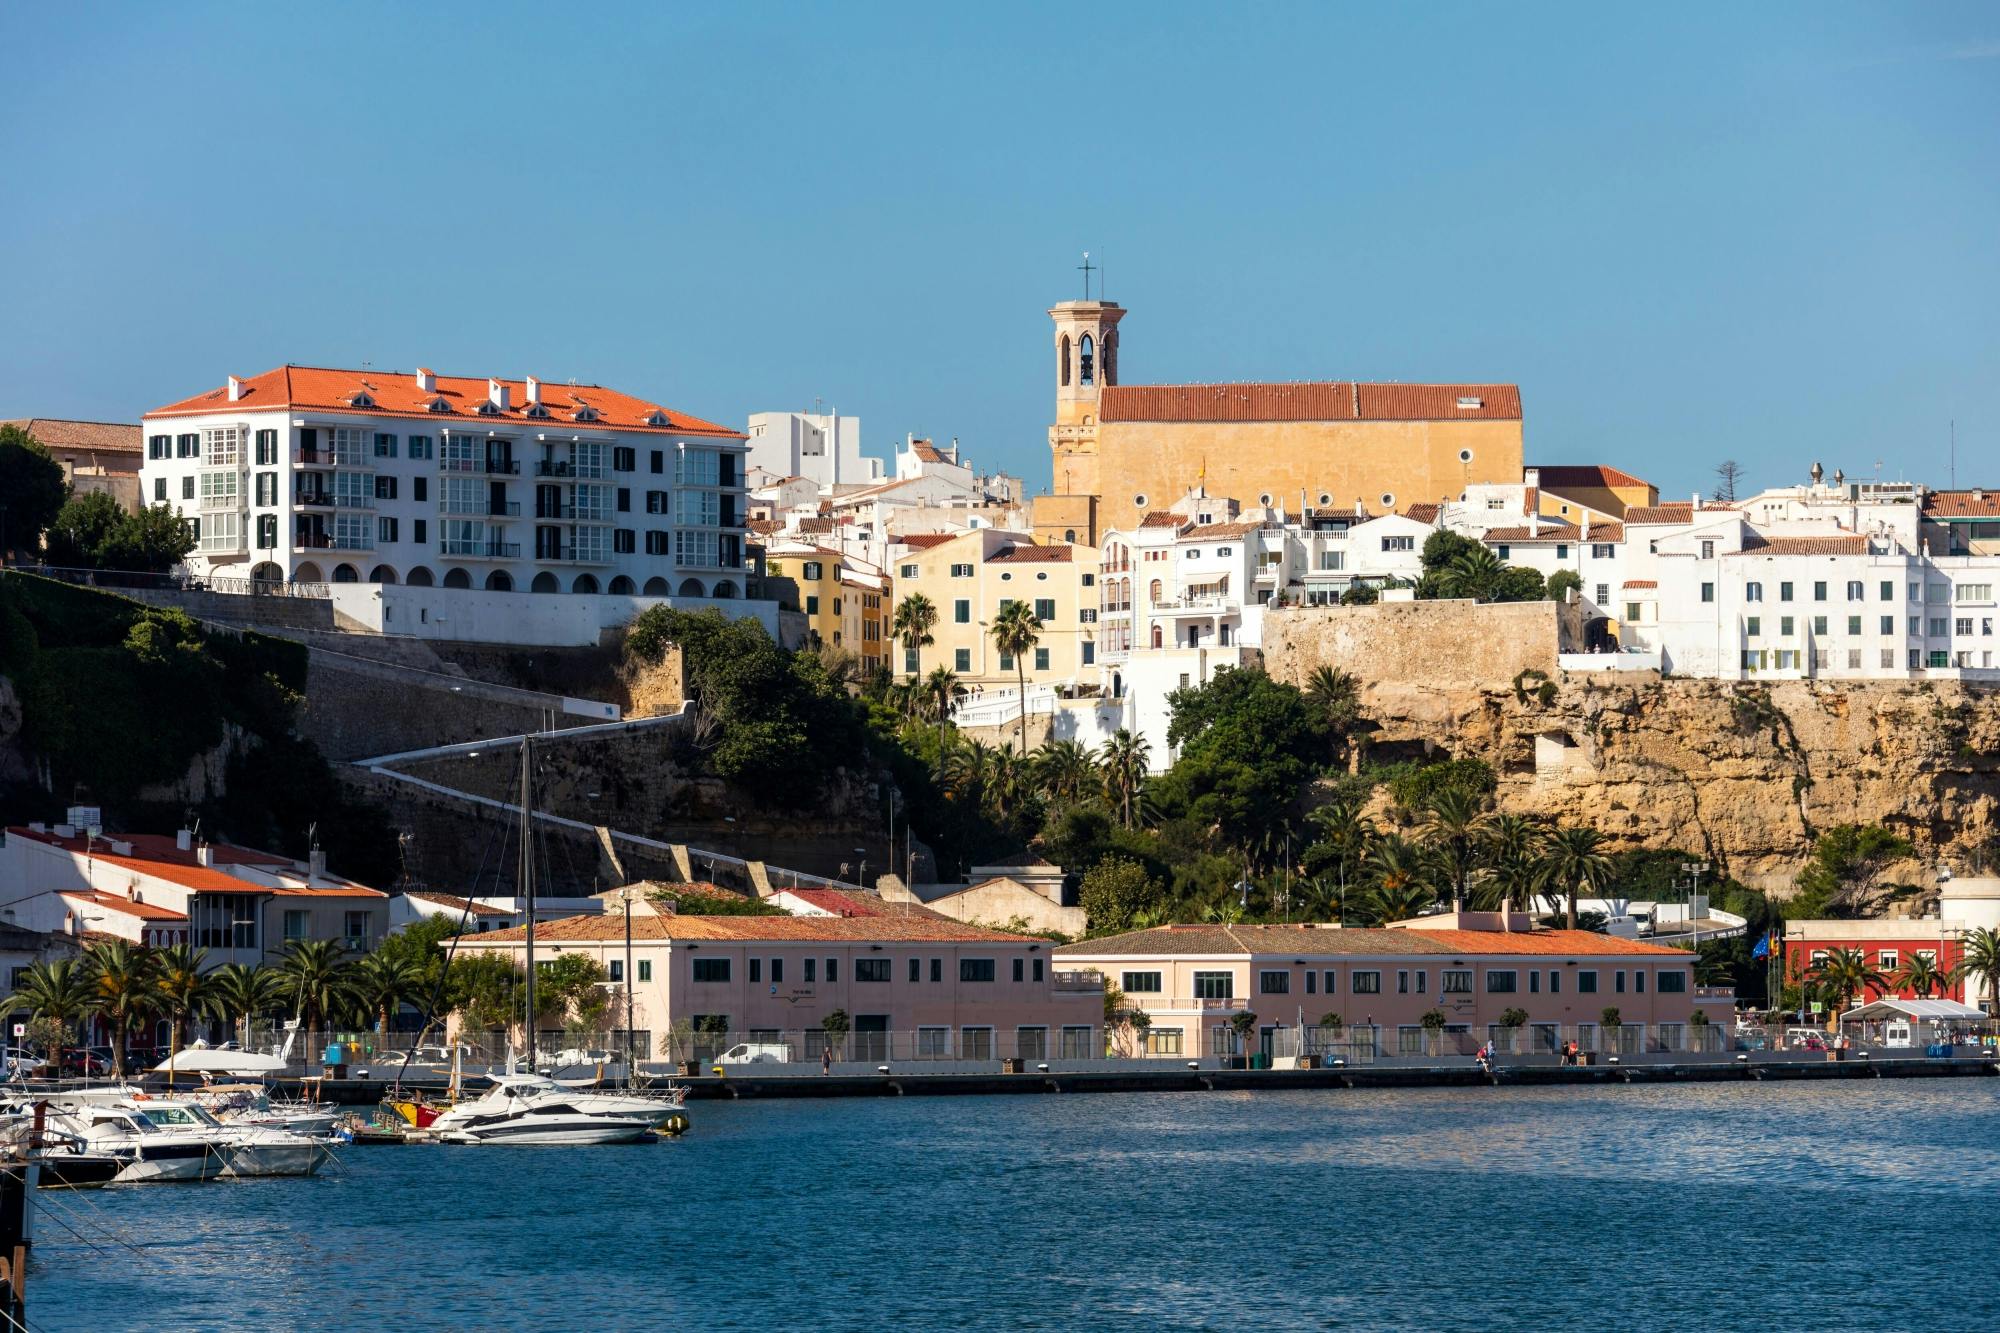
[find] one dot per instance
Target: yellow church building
(1119, 450)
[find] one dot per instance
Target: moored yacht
(149, 1153)
(249, 1150)
(529, 1109)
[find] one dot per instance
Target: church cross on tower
(1086, 268)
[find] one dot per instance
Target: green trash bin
(1259, 1060)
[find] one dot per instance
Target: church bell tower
(1086, 361)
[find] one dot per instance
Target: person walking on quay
(825, 1060)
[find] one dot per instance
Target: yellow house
(969, 577)
(842, 597)
(864, 624)
(1568, 493)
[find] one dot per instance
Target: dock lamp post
(625, 898)
(1694, 870)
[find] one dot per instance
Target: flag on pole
(1763, 949)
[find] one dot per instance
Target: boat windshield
(185, 1117)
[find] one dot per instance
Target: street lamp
(1694, 870)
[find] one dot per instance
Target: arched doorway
(657, 587)
(621, 586)
(420, 577)
(381, 574)
(499, 581)
(584, 583)
(308, 572)
(266, 572)
(725, 589)
(1156, 636)
(691, 588)
(346, 573)
(545, 582)
(457, 578)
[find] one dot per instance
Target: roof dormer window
(584, 413)
(538, 412)
(437, 405)
(360, 398)
(488, 408)
(656, 418)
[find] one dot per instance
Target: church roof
(1339, 401)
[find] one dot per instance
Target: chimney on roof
(235, 389)
(315, 865)
(204, 855)
(534, 391)
(427, 380)
(1535, 522)
(1531, 477)
(498, 394)
(183, 839)
(1696, 504)
(1583, 526)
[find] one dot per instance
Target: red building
(1886, 946)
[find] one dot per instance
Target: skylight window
(1471, 404)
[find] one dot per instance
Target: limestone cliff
(1748, 774)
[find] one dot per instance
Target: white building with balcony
(304, 475)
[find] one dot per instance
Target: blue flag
(1763, 949)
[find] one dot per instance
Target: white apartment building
(311, 475)
(822, 447)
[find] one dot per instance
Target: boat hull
(165, 1166)
(553, 1134)
(274, 1159)
(77, 1171)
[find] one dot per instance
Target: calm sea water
(1706, 1206)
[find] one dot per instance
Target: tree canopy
(32, 490)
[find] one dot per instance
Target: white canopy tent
(1888, 1007)
(1906, 1024)
(245, 1064)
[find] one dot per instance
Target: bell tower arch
(1084, 351)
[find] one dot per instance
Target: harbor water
(1831, 1205)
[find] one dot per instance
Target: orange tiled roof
(1963, 504)
(1364, 942)
(926, 927)
(922, 541)
(395, 394)
(841, 904)
(1159, 518)
(104, 436)
(1215, 531)
(1642, 583)
(144, 911)
(1555, 476)
(1338, 401)
(1421, 513)
(1030, 555)
(1843, 545)
(926, 452)
(1548, 532)
(1683, 512)
(455, 903)
(1577, 942)
(156, 854)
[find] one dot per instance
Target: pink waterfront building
(1190, 981)
(913, 984)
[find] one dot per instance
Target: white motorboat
(249, 1150)
(250, 1106)
(529, 1109)
(150, 1153)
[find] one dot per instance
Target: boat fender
(675, 1124)
(142, 1096)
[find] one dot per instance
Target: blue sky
(1766, 232)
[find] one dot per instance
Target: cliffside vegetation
(143, 711)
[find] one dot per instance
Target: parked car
(80, 1063)
(756, 1053)
(16, 1061)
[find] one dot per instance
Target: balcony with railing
(563, 467)
(479, 549)
(558, 554)
(496, 467)
(572, 513)
(326, 541)
(1076, 981)
(318, 457)
(314, 498)
(480, 508)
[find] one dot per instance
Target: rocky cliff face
(1747, 774)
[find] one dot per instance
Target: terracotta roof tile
(1159, 518)
(1683, 512)
(1843, 545)
(1336, 401)
(915, 927)
(841, 904)
(1558, 475)
(395, 394)
(1642, 583)
(923, 541)
(1421, 513)
(1030, 555)
(1963, 504)
(1320, 940)
(156, 854)
(112, 901)
(1547, 532)
(1217, 531)
(455, 903)
(102, 436)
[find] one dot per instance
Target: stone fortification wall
(1432, 644)
(356, 707)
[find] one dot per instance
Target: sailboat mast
(528, 896)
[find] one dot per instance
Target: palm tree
(1345, 836)
(238, 994)
(1064, 769)
(60, 992)
(317, 979)
(1922, 976)
(1014, 631)
(1337, 696)
(379, 983)
(1454, 832)
(124, 991)
(1981, 955)
(916, 616)
(1844, 974)
(968, 771)
(182, 988)
(1473, 573)
(1123, 764)
(941, 692)
(1514, 849)
(1575, 863)
(1400, 882)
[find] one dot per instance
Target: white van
(756, 1053)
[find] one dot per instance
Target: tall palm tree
(124, 991)
(941, 691)
(1514, 849)
(1123, 764)
(1474, 573)
(1400, 879)
(969, 771)
(1065, 770)
(1844, 974)
(1337, 696)
(182, 985)
(317, 979)
(916, 616)
(237, 994)
(59, 992)
(1576, 863)
(1454, 832)
(379, 983)
(1014, 631)
(1922, 977)
(1982, 957)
